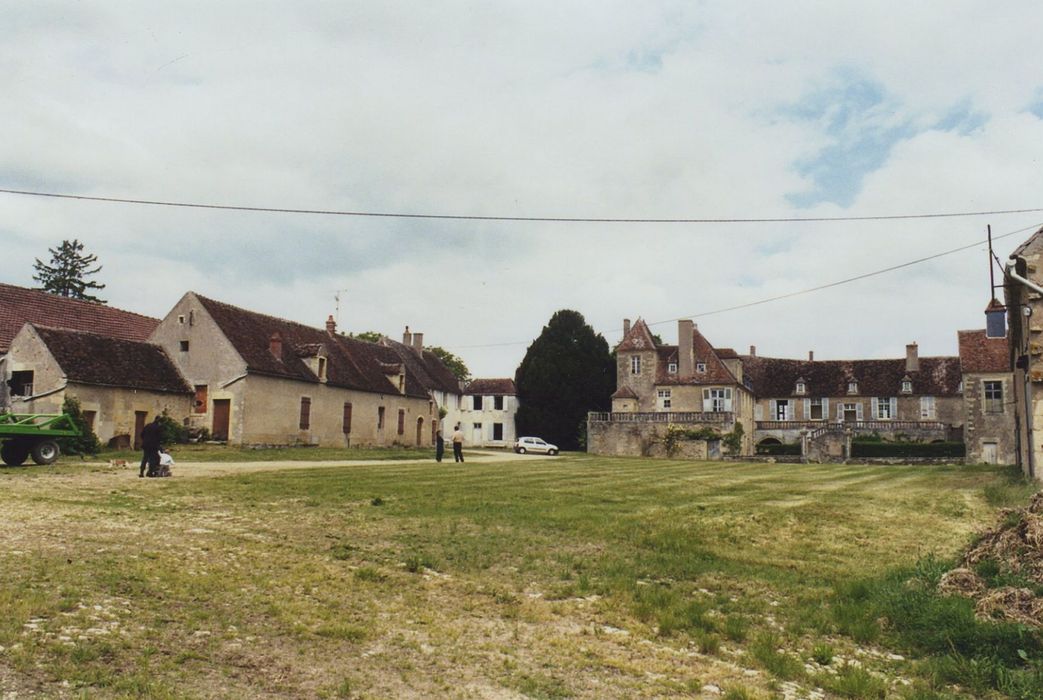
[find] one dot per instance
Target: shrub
(171, 432)
(87, 442)
(904, 450)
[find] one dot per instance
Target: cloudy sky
(532, 109)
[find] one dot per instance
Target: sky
(532, 109)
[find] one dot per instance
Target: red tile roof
(716, 371)
(775, 377)
(639, 338)
(491, 387)
(979, 353)
(624, 392)
(19, 306)
(88, 358)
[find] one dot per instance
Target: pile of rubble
(1014, 550)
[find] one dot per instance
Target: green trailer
(24, 435)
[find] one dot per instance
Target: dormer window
(907, 386)
(852, 387)
(671, 368)
(802, 387)
(322, 369)
(700, 367)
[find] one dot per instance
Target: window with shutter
(347, 418)
(305, 422)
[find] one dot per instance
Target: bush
(87, 442)
(902, 450)
(171, 432)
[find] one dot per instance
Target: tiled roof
(1020, 250)
(716, 371)
(639, 338)
(775, 377)
(89, 358)
(491, 387)
(981, 354)
(624, 392)
(351, 363)
(19, 306)
(430, 372)
(726, 353)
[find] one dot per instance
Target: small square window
(907, 386)
(802, 388)
(181, 319)
(852, 387)
(672, 368)
(700, 367)
(184, 346)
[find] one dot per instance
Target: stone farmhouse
(818, 404)
(486, 412)
(259, 379)
(1023, 294)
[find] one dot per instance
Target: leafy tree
(368, 336)
(454, 363)
(87, 442)
(67, 274)
(566, 372)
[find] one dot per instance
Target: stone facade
(1023, 289)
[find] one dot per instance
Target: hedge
(935, 450)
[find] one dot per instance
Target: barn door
(222, 412)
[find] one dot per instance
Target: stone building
(692, 385)
(259, 379)
(989, 408)
(1023, 290)
(120, 384)
(19, 305)
(486, 413)
(431, 373)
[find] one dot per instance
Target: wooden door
(419, 432)
(139, 425)
(989, 453)
(222, 412)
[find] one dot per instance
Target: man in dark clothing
(150, 436)
(439, 446)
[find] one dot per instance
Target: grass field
(547, 578)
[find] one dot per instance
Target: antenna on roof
(336, 299)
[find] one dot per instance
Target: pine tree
(566, 372)
(67, 274)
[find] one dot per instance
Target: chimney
(626, 327)
(912, 358)
(407, 337)
(331, 325)
(685, 356)
(753, 351)
(811, 355)
(275, 345)
(418, 342)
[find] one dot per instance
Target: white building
(485, 413)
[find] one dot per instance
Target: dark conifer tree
(68, 272)
(566, 372)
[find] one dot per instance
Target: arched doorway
(420, 431)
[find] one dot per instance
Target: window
(700, 367)
(849, 412)
(401, 421)
(993, 396)
(21, 383)
(497, 431)
(664, 398)
(717, 400)
(380, 418)
(815, 409)
(927, 407)
(181, 319)
(671, 368)
(802, 388)
(635, 364)
(907, 386)
(305, 413)
(477, 403)
(322, 369)
(782, 410)
(498, 403)
(201, 399)
(885, 408)
(852, 387)
(184, 346)
(88, 419)
(347, 418)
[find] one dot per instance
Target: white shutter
(807, 409)
(825, 409)
(858, 412)
(894, 407)
(874, 408)
(773, 408)
(707, 401)
(840, 411)
(728, 400)
(758, 412)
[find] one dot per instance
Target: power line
(554, 219)
(790, 295)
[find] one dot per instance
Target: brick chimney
(407, 337)
(418, 342)
(685, 356)
(275, 345)
(626, 327)
(811, 355)
(753, 351)
(331, 325)
(912, 358)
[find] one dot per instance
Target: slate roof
(775, 377)
(19, 306)
(351, 363)
(88, 358)
(429, 370)
(491, 387)
(979, 353)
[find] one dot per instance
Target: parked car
(535, 445)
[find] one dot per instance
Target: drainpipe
(1012, 273)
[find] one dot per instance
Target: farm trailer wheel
(14, 452)
(45, 452)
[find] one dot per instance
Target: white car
(535, 445)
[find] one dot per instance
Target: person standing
(458, 444)
(439, 446)
(150, 439)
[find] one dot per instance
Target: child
(165, 462)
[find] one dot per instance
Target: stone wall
(984, 428)
(634, 439)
